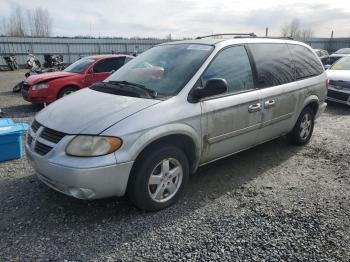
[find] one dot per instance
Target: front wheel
(67, 91)
(303, 129)
(158, 178)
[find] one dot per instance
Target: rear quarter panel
(314, 90)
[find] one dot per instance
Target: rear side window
(109, 65)
(273, 64)
(305, 62)
(231, 64)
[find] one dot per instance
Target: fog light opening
(81, 193)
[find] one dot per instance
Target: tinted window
(233, 65)
(108, 65)
(273, 64)
(305, 62)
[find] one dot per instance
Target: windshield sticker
(199, 47)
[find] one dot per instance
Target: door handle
(254, 108)
(269, 103)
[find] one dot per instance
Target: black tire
(139, 189)
(66, 91)
(11, 67)
(17, 88)
(296, 136)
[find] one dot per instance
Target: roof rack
(238, 35)
(234, 34)
(276, 37)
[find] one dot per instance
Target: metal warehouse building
(70, 48)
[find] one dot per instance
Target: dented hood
(34, 79)
(90, 112)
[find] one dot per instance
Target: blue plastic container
(11, 139)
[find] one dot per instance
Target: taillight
(327, 83)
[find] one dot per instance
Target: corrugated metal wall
(70, 48)
(331, 45)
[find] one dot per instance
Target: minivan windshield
(163, 69)
(341, 64)
(79, 66)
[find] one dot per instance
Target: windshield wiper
(150, 92)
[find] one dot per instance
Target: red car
(47, 87)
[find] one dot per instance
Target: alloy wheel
(165, 180)
(305, 126)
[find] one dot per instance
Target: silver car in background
(175, 107)
(343, 52)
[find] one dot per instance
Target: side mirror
(91, 71)
(112, 71)
(327, 66)
(214, 86)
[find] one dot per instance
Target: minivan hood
(34, 79)
(90, 112)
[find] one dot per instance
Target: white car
(339, 81)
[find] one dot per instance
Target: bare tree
(306, 34)
(14, 25)
(39, 22)
(294, 30)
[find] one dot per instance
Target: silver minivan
(175, 107)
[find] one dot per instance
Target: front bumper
(338, 95)
(36, 96)
(82, 183)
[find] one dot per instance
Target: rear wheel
(158, 178)
(67, 91)
(303, 129)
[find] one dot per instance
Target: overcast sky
(188, 18)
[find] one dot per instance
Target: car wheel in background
(67, 91)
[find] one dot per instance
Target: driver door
(231, 121)
(103, 69)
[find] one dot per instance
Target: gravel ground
(274, 202)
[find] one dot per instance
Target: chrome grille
(35, 126)
(29, 140)
(41, 148)
(52, 135)
(47, 136)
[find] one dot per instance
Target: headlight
(40, 86)
(84, 145)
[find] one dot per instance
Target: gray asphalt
(270, 203)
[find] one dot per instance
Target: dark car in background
(339, 81)
(338, 54)
(323, 55)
